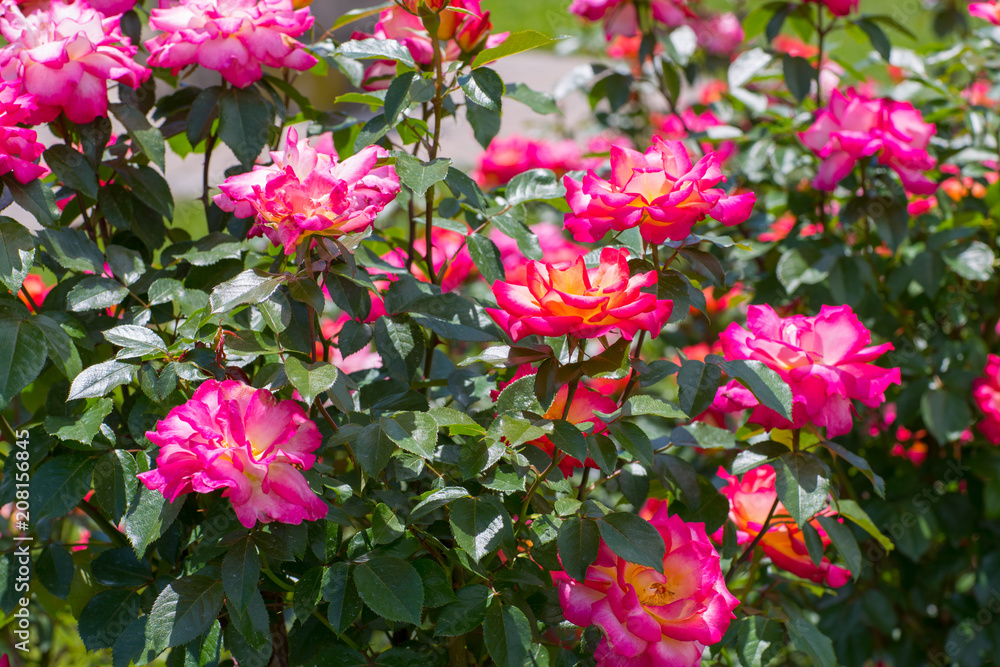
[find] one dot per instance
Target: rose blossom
(507, 157)
(308, 192)
(19, 147)
(555, 248)
(621, 18)
(988, 11)
(838, 7)
(233, 37)
(750, 501)
(65, 54)
(986, 394)
(570, 299)
(676, 127)
(231, 436)
(853, 127)
(111, 7)
(585, 403)
(649, 618)
(825, 359)
(447, 247)
(661, 192)
(37, 289)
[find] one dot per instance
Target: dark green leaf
(250, 286)
(145, 137)
(72, 169)
(416, 432)
(184, 610)
(400, 342)
(22, 356)
(17, 252)
(578, 541)
(880, 42)
(60, 484)
(485, 122)
(802, 485)
(535, 184)
(843, 539)
(240, 571)
(310, 379)
(150, 188)
(506, 633)
(633, 538)
(106, 616)
(478, 526)
(99, 380)
(339, 590)
(391, 587)
(437, 587)
(373, 449)
(484, 87)
(765, 384)
(54, 569)
(799, 75)
(466, 615)
(419, 176)
(487, 258)
(244, 119)
(36, 198)
(698, 383)
(120, 567)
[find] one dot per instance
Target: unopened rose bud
(473, 32)
(299, 4)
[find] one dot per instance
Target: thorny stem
(209, 147)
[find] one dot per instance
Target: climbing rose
(647, 618)
(853, 127)
(570, 299)
(661, 192)
(825, 359)
(234, 37)
(986, 393)
(19, 147)
(988, 11)
(231, 436)
(750, 501)
(586, 402)
(65, 54)
(306, 192)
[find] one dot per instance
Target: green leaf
(485, 122)
(799, 75)
(802, 485)
(136, 341)
(603, 451)
(81, 428)
(59, 484)
(853, 511)
(61, 349)
(204, 110)
(633, 538)
(95, 293)
(22, 356)
(460, 184)
(532, 185)
(975, 262)
(766, 385)
(381, 49)
(373, 449)
(150, 188)
(184, 610)
(507, 634)
(843, 539)
(568, 438)
(115, 482)
(386, 526)
(517, 42)
(147, 138)
(72, 169)
(705, 264)
(17, 252)
(436, 500)
(478, 526)
(437, 586)
(400, 342)
(484, 87)
(519, 396)
(250, 286)
(700, 434)
(486, 257)
(814, 543)
(106, 616)
(416, 432)
(310, 379)
(946, 414)
(391, 587)
(644, 405)
(466, 615)
(73, 250)
(240, 571)
(578, 541)
(120, 567)
(878, 38)
(149, 514)
(419, 176)
(126, 264)
(307, 593)
(539, 102)
(858, 462)
(758, 641)
(99, 380)
(338, 589)
(54, 568)
(36, 198)
(634, 440)
(244, 119)
(807, 638)
(805, 266)
(698, 383)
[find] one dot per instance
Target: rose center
(656, 594)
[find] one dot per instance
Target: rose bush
(697, 367)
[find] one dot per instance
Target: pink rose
(362, 360)
(720, 34)
(234, 37)
(676, 127)
(306, 192)
(65, 54)
(986, 394)
(506, 158)
(853, 127)
(233, 437)
(839, 7)
(750, 501)
(825, 359)
(570, 299)
(988, 11)
(661, 192)
(650, 618)
(111, 7)
(621, 18)
(447, 248)
(19, 147)
(556, 248)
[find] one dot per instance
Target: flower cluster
(661, 192)
(306, 192)
(570, 299)
(64, 54)
(750, 503)
(986, 394)
(507, 157)
(234, 37)
(853, 127)
(648, 616)
(19, 147)
(231, 436)
(825, 359)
